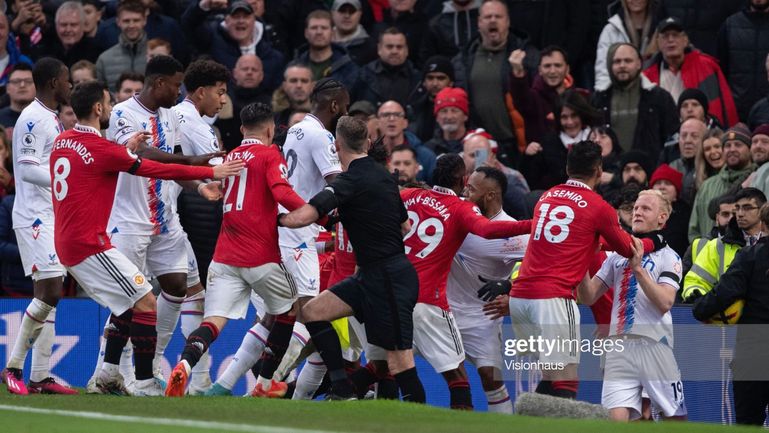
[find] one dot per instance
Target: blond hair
(665, 204)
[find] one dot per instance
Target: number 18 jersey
(569, 220)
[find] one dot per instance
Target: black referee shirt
(371, 210)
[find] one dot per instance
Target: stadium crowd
(485, 99)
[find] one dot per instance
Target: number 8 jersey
(440, 221)
(568, 222)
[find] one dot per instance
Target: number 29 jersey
(568, 222)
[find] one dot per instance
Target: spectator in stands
(130, 53)
(743, 44)
(544, 164)
(392, 76)
(631, 22)
(128, 84)
(350, 34)
(483, 70)
(624, 202)
(679, 66)
(736, 143)
(21, 92)
(239, 33)
(324, 58)
(451, 114)
(759, 113)
(10, 55)
(403, 159)
(437, 74)
(156, 25)
(610, 151)
(246, 87)
(692, 104)
(410, 21)
(450, 32)
(642, 114)
(690, 137)
(710, 159)
(66, 40)
(362, 110)
(158, 47)
(7, 185)
(293, 94)
(13, 282)
(721, 211)
(393, 124)
(701, 19)
(759, 150)
(635, 168)
(82, 71)
(480, 149)
(93, 9)
(669, 181)
(536, 97)
(67, 116)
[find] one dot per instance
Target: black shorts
(382, 296)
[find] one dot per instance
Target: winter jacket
(700, 222)
(12, 278)
(759, 114)
(743, 42)
(201, 219)
(701, 19)
(761, 180)
(547, 168)
(126, 56)
(368, 85)
(450, 31)
(412, 24)
(211, 38)
(158, 26)
(14, 57)
(689, 188)
(421, 116)
(362, 49)
(675, 231)
(342, 67)
(700, 71)
(712, 261)
(657, 116)
(51, 46)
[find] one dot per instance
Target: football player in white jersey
(644, 292)
(33, 137)
(490, 259)
(144, 225)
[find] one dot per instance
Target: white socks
(499, 400)
(31, 326)
(290, 359)
(310, 377)
(43, 348)
(169, 308)
(248, 353)
(191, 318)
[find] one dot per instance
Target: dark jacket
(657, 116)
(361, 50)
(743, 42)
(209, 37)
(201, 219)
(342, 66)
(440, 145)
(425, 157)
(421, 116)
(240, 97)
(158, 26)
(677, 227)
(449, 32)
(50, 46)
(370, 84)
(547, 168)
(12, 279)
(14, 56)
(759, 114)
(412, 24)
(701, 19)
(125, 56)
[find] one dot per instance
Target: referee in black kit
(383, 293)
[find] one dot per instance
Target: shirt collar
(573, 182)
(87, 129)
(46, 107)
(311, 116)
(249, 141)
(442, 190)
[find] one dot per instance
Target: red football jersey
(84, 172)
(568, 221)
(249, 233)
(440, 221)
(344, 257)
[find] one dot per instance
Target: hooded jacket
(700, 222)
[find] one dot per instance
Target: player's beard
(334, 121)
(103, 123)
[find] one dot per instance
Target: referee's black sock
(256, 368)
(144, 337)
(328, 346)
(411, 386)
(387, 388)
(198, 342)
(277, 343)
(116, 334)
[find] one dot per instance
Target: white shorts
(554, 319)
(643, 366)
(38, 252)
(193, 276)
(302, 263)
(258, 304)
(229, 289)
(373, 353)
(112, 280)
(436, 337)
(482, 342)
(155, 254)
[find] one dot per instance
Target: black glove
(696, 294)
(493, 288)
(656, 237)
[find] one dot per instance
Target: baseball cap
(339, 3)
(362, 107)
(670, 23)
(239, 6)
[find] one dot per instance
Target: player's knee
(49, 290)
(400, 360)
(174, 284)
(455, 374)
(146, 303)
(489, 381)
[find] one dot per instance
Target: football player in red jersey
(570, 223)
(84, 174)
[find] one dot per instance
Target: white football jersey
(197, 136)
(492, 259)
(33, 137)
(310, 153)
(143, 206)
(632, 312)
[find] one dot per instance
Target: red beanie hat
(451, 97)
(670, 174)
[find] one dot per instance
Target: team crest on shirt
(36, 228)
(139, 279)
(121, 122)
(52, 259)
(114, 230)
(298, 251)
(311, 283)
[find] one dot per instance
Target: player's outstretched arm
(590, 289)
(485, 228)
(301, 217)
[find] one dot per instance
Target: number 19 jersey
(569, 220)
